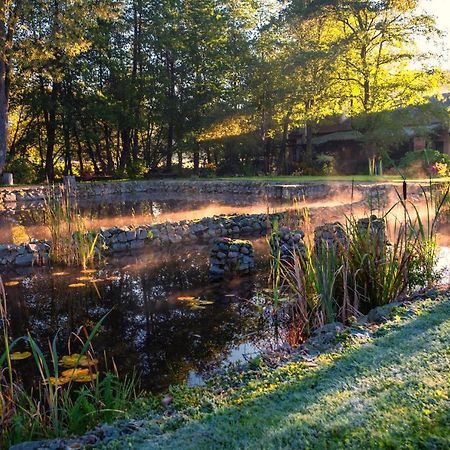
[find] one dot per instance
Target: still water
(166, 320)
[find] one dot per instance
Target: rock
(333, 327)
(24, 260)
(215, 270)
(131, 235)
(122, 237)
(175, 239)
(119, 247)
(382, 314)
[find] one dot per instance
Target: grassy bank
(387, 389)
(342, 178)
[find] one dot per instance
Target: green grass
(268, 178)
(390, 391)
(346, 178)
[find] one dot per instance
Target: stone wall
(231, 256)
(263, 189)
(119, 239)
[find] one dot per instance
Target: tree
(10, 11)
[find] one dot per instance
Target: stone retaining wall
(119, 239)
(311, 190)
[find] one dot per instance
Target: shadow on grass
(380, 395)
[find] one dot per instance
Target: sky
(441, 10)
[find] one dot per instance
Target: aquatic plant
(57, 405)
(346, 277)
(72, 243)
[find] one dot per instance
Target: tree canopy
(135, 87)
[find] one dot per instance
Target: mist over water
(167, 321)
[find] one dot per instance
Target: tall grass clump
(69, 394)
(368, 262)
(72, 243)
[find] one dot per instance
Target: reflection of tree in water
(147, 330)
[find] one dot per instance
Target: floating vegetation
(195, 303)
(113, 278)
(75, 360)
(76, 285)
(86, 378)
(73, 373)
(17, 356)
(58, 381)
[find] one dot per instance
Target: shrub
(207, 171)
(425, 162)
(324, 164)
(23, 170)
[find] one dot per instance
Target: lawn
(388, 391)
(345, 178)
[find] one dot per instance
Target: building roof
(338, 136)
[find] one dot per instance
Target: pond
(167, 321)
(25, 220)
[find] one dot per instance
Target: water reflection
(149, 330)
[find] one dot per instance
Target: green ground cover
(346, 178)
(388, 390)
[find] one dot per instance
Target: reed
(57, 406)
(72, 243)
(347, 278)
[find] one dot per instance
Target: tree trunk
(3, 115)
(309, 144)
(171, 111)
(282, 163)
(50, 126)
(67, 148)
(126, 147)
(196, 157)
(169, 149)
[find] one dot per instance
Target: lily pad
(17, 356)
(58, 381)
(74, 373)
(75, 360)
(86, 378)
(76, 285)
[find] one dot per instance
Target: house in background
(339, 137)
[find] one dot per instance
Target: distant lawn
(391, 392)
(347, 178)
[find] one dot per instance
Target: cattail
(405, 190)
